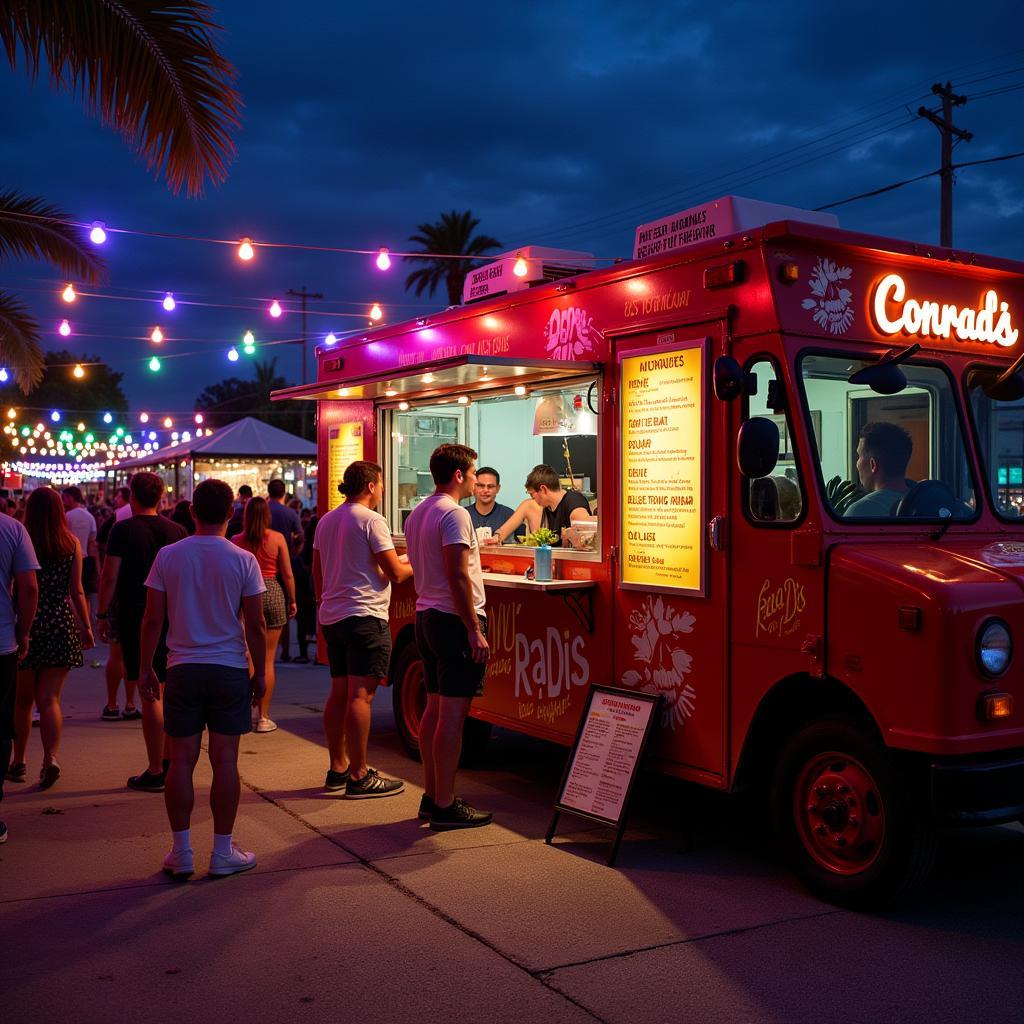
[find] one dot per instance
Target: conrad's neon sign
(991, 323)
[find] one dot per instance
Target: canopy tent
(246, 451)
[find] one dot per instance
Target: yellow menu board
(662, 463)
(344, 446)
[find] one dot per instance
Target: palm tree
(146, 68)
(452, 234)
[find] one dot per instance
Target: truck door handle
(716, 533)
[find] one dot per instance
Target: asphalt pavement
(358, 912)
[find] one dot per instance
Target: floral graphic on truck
(831, 302)
(570, 333)
(657, 627)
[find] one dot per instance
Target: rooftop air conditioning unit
(538, 266)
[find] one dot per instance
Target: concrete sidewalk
(358, 912)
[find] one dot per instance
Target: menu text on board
(606, 754)
(662, 466)
(344, 446)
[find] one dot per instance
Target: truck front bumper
(978, 791)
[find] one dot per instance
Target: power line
(920, 177)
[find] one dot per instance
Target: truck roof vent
(527, 267)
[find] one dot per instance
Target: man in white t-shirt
(451, 629)
(205, 586)
(354, 565)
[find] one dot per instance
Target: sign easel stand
(617, 724)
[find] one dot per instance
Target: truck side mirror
(757, 447)
(731, 381)
(882, 378)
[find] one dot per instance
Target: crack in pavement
(686, 940)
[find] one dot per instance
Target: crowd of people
(193, 612)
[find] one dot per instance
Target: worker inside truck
(514, 429)
(936, 481)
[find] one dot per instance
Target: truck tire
(856, 832)
(408, 696)
(409, 701)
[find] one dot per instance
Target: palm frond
(19, 342)
(148, 68)
(452, 235)
(31, 228)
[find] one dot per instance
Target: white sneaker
(265, 725)
(232, 863)
(179, 864)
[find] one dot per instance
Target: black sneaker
(336, 780)
(427, 807)
(16, 771)
(111, 715)
(147, 782)
(372, 784)
(459, 815)
(131, 713)
(48, 775)
(3, 832)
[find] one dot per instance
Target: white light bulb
(246, 250)
(169, 302)
(383, 260)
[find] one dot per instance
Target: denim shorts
(448, 665)
(214, 697)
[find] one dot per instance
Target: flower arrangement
(539, 538)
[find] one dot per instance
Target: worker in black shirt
(559, 508)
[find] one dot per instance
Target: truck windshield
(1000, 429)
(888, 457)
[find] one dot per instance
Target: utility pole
(947, 129)
(304, 295)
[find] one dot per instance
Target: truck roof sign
(716, 219)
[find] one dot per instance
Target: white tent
(246, 451)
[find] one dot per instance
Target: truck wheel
(409, 701)
(408, 696)
(856, 832)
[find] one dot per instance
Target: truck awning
(466, 372)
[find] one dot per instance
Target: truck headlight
(995, 647)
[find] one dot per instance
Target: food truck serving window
(888, 457)
(550, 424)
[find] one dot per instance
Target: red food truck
(803, 455)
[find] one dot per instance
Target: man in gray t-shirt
(18, 566)
(883, 453)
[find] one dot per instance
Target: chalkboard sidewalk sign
(602, 767)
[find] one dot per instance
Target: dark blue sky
(562, 124)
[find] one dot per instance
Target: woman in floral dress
(59, 633)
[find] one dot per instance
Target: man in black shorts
(131, 549)
(205, 586)
(354, 565)
(451, 629)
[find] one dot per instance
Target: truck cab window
(1000, 429)
(888, 457)
(777, 498)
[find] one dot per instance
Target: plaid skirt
(275, 610)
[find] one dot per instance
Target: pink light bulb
(383, 260)
(65, 329)
(275, 309)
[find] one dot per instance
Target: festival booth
(247, 451)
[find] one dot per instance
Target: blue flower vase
(542, 563)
